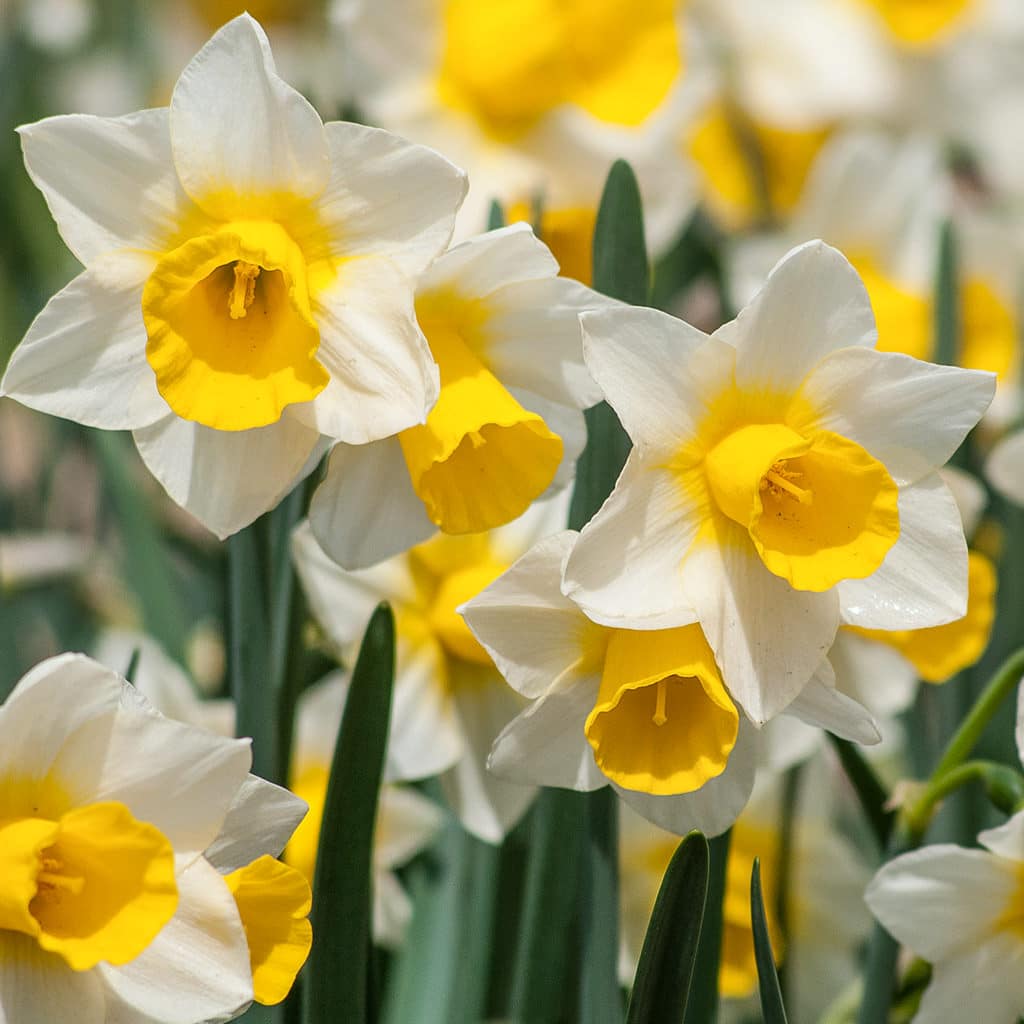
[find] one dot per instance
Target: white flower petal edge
(408, 822)
(911, 416)
(36, 987)
(758, 626)
(942, 901)
(812, 304)
(1005, 467)
(235, 125)
(912, 588)
(646, 526)
(716, 805)
(109, 181)
(197, 968)
(365, 510)
(227, 479)
(820, 703)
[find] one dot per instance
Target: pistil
(244, 290)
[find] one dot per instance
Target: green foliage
(768, 978)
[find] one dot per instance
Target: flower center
(231, 335)
(818, 511)
(663, 723)
(480, 459)
(95, 886)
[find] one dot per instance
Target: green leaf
(147, 568)
(620, 251)
(870, 791)
(336, 976)
(495, 216)
(702, 1007)
(947, 299)
(662, 986)
(768, 980)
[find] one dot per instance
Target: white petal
(365, 509)
(392, 910)
(544, 517)
(942, 901)
(84, 356)
(820, 704)
(768, 638)
(536, 636)
(812, 304)
(568, 423)
(37, 987)
(317, 720)
(48, 706)
(179, 778)
(786, 741)
(1007, 840)
(406, 822)
(716, 805)
(388, 197)
(923, 579)
(383, 377)
(970, 496)
(341, 601)
(260, 820)
(1005, 467)
(983, 984)
(484, 263)
(908, 414)
(545, 745)
(534, 340)
(110, 182)
(226, 479)
(197, 968)
(238, 130)
(486, 806)
(873, 674)
(1018, 732)
(625, 568)
(658, 373)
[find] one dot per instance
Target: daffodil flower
(406, 822)
(782, 480)
(645, 711)
(139, 879)
(962, 910)
(507, 427)
(247, 285)
(450, 701)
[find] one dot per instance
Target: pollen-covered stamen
(52, 880)
(660, 717)
(244, 291)
(779, 480)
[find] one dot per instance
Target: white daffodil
(449, 702)
(645, 711)
(508, 426)
(1005, 467)
(247, 284)
(823, 936)
(406, 822)
(782, 480)
(28, 558)
(536, 100)
(139, 881)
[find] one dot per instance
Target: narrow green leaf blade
(767, 977)
(336, 986)
(495, 216)
(702, 1007)
(662, 986)
(620, 250)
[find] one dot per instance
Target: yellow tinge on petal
(95, 886)
(480, 459)
(273, 902)
(751, 168)
(231, 335)
(818, 510)
(939, 652)
(920, 22)
(663, 722)
(509, 62)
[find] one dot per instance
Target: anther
(661, 693)
(244, 290)
(776, 479)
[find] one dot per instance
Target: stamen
(776, 478)
(244, 291)
(50, 881)
(661, 693)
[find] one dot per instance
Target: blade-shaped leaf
(767, 977)
(662, 986)
(870, 791)
(620, 250)
(702, 1006)
(336, 985)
